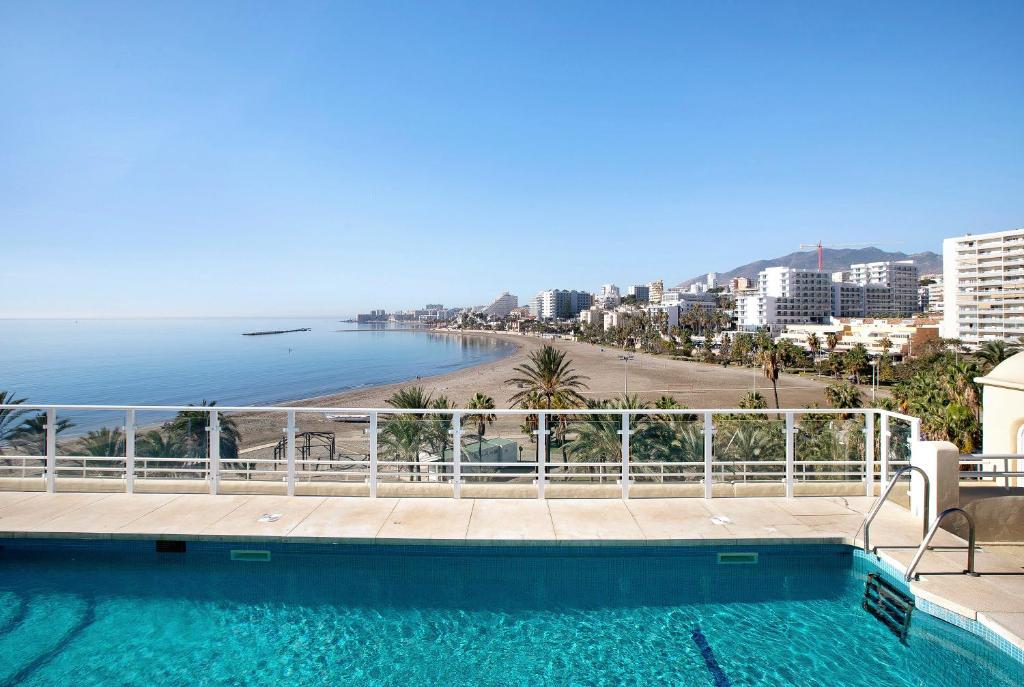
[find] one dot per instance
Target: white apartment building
(983, 286)
(655, 291)
(501, 306)
(786, 296)
(848, 300)
(930, 295)
(608, 297)
(900, 279)
(592, 315)
(641, 292)
(558, 304)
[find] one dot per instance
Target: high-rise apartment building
(983, 286)
(641, 292)
(502, 305)
(900, 279)
(655, 291)
(786, 296)
(557, 304)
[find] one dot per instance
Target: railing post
(869, 453)
(790, 454)
(456, 455)
(542, 440)
(214, 451)
(709, 447)
(289, 452)
(129, 451)
(373, 454)
(51, 450)
(625, 455)
(883, 444)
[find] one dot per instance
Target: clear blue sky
(322, 158)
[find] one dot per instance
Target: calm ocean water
(179, 361)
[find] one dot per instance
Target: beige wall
(1003, 416)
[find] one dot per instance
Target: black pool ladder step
(887, 603)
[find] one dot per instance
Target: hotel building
(983, 286)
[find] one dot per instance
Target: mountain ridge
(834, 260)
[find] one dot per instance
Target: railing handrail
(386, 410)
(931, 534)
(877, 507)
(702, 418)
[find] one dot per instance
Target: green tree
(992, 353)
(30, 436)
(753, 400)
(855, 361)
(10, 419)
(482, 403)
(103, 442)
(843, 395)
(549, 375)
(771, 357)
(814, 344)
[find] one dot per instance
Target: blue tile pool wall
(863, 563)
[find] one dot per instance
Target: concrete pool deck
(995, 599)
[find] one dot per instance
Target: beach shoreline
(694, 384)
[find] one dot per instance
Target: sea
(182, 361)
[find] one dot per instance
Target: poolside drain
(717, 674)
(250, 555)
(170, 546)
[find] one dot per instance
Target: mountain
(835, 259)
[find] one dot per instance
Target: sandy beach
(697, 385)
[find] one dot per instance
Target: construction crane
(821, 249)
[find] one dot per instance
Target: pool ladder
(928, 533)
(891, 606)
(875, 509)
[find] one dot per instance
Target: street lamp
(874, 378)
(625, 372)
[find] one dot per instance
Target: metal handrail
(875, 509)
(931, 533)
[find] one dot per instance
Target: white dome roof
(1008, 374)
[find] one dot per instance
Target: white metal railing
(981, 461)
(702, 447)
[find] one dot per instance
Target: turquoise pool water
(121, 614)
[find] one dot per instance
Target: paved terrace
(996, 599)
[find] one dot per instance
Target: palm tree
(403, 436)
(752, 400)
(189, 429)
(551, 376)
(667, 403)
(831, 341)
(401, 439)
(843, 395)
(771, 357)
(855, 360)
(437, 433)
(885, 344)
(9, 418)
(814, 344)
(483, 403)
(30, 435)
(992, 353)
(104, 442)
(409, 397)
(157, 444)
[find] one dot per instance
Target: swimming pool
(119, 613)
